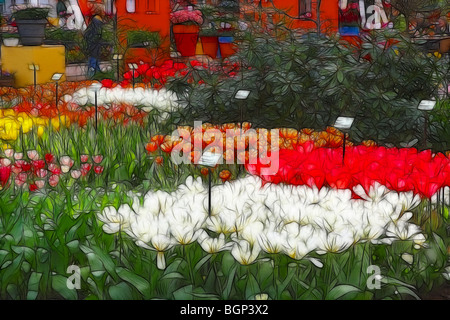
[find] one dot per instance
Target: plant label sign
(209, 159)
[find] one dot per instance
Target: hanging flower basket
(186, 38)
(210, 42)
(185, 30)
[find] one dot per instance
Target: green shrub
(141, 37)
(31, 14)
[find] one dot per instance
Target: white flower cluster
(149, 99)
(248, 218)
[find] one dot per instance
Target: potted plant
(143, 39)
(210, 41)
(6, 79)
(185, 26)
(10, 39)
(31, 24)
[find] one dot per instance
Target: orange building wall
(329, 13)
(151, 15)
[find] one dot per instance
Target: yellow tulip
(8, 112)
(40, 131)
(55, 123)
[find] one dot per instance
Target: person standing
(93, 37)
(61, 11)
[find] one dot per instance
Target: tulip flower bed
(113, 203)
(401, 170)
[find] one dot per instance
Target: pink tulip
(66, 161)
(84, 158)
(75, 174)
(9, 153)
(5, 162)
(41, 173)
(53, 180)
(21, 178)
(39, 183)
(32, 155)
(98, 158)
(18, 155)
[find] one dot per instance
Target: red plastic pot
(210, 45)
(186, 37)
(227, 47)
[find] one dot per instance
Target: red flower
(5, 173)
(107, 83)
(97, 158)
(33, 187)
(54, 169)
(84, 158)
(49, 158)
(196, 63)
(98, 169)
(38, 164)
(125, 83)
(85, 168)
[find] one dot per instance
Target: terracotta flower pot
(210, 45)
(186, 38)
(227, 47)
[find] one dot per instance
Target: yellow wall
(50, 59)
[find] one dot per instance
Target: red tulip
(49, 158)
(84, 158)
(107, 83)
(33, 187)
(85, 168)
(98, 169)
(5, 173)
(54, 169)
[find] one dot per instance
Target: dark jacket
(93, 37)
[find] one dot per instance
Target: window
(152, 6)
(131, 6)
(304, 7)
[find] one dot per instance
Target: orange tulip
(204, 171)
(159, 160)
(306, 131)
(159, 139)
(225, 175)
(151, 147)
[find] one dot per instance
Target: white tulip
(114, 220)
(213, 245)
(244, 253)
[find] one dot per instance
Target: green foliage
(31, 14)
(309, 81)
(142, 37)
(62, 34)
(43, 233)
